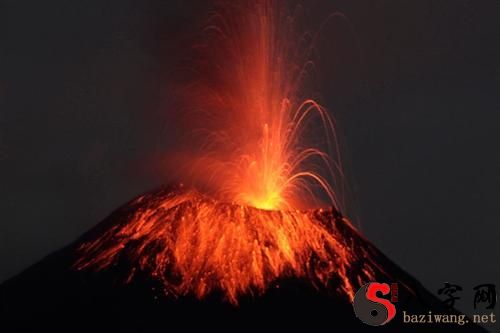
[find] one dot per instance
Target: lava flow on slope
(194, 244)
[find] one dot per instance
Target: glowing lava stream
(196, 245)
(259, 163)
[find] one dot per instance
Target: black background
(414, 85)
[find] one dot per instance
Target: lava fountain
(248, 216)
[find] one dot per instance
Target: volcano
(95, 284)
(243, 245)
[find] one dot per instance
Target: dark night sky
(414, 85)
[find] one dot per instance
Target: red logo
(371, 308)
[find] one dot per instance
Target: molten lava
(197, 245)
(258, 165)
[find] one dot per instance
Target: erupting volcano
(259, 168)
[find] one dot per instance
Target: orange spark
(258, 133)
